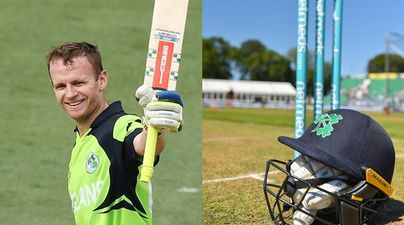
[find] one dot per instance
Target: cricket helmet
(350, 142)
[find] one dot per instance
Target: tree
(376, 64)
(269, 66)
(327, 77)
(251, 47)
(248, 49)
(256, 62)
(217, 56)
(292, 56)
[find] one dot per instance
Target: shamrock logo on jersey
(92, 163)
(324, 124)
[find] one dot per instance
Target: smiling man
(79, 89)
(103, 180)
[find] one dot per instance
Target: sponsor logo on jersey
(92, 163)
(86, 195)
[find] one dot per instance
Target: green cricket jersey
(103, 178)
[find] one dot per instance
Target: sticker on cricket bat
(162, 63)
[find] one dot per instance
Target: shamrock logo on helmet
(324, 124)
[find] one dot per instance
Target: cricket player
(103, 179)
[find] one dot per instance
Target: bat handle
(149, 153)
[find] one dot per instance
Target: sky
(366, 26)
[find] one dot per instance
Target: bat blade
(165, 44)
(163, 61)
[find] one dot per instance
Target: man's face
(77, 89)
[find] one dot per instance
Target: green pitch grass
(238, 142)
(37, 136)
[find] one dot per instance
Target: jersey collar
(114, 108)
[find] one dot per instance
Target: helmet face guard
(353, 206)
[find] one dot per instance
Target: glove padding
(305, 168)
(144, 95)
(162, 109)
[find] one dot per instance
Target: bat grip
(149, 153)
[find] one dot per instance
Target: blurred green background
(37, 136)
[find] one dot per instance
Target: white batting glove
(305, 168)
(144, 95)
(162, 109)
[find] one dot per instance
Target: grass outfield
(238, 142)
(36, 136)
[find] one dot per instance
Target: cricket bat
(163, 61)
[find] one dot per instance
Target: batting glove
(315, 199)
(162, 109)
